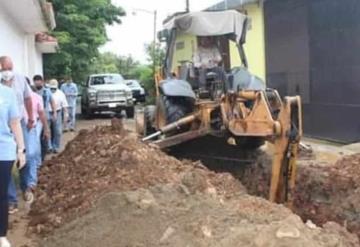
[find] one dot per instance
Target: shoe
(55, 151)
(65, 130)
(4, 242)
(49, 151)
(13, 208)
(29, 196)
(72, 130)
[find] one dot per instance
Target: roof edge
(231, 4)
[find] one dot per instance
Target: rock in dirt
(198, 220)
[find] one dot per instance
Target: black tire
(130, 112)
(176, 108)
(149, 118)
(250, 143)
(86, 112)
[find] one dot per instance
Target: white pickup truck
(107, 92)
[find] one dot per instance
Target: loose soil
(167, 215)
(108, 189)
(324, 191)
(112, 159)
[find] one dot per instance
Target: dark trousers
(5, 175)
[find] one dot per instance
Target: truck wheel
(86, 112)
(130, 112)
(149, 118)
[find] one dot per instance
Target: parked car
(138, 91)
(106, 92)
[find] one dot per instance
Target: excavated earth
(109, 189)
(324, 191)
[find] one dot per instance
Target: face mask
(7, 75)
(53, 90)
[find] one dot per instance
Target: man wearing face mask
(23, 95)
(49, 107)
(71, 92)
(61, 106)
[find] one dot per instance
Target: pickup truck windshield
(106, 79)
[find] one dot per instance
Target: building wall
(254, 47)
(312, 53)
(34, 57)
(20, 46)
(12, 42)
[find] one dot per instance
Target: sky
(136, 30)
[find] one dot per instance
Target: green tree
(109, 62)
(157, 56)
(146, 73)
(126, 64)
(80, 32)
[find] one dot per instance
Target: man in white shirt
(207, 55)
(207, 58)
(61, 106)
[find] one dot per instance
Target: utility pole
(187, 5)
(154, 48)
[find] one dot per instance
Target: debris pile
(324, 192)
(111, 159)
(166, 215)
(109, 189)
(330, 193)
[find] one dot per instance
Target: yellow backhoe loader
(227, 103)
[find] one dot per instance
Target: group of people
(32, 117)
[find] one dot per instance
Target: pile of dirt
(109, 189)
(167, 215)
(324, 192)
(331, 192)
(111, 159)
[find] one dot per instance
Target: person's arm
(53, 107)
(15, 126)
(65, 105)
(28, 105)
(76, 90)
(43, 119)
(217, 56)
(197, 59)
(44, 122)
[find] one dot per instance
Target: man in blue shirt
(24, 103)
(71, 92)
(11, 148)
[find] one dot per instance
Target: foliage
(111, 63)
(147, 73)
(80, 32)
(156, 56)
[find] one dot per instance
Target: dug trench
(324, 191)
(109, 189)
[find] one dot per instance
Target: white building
(22, 24)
